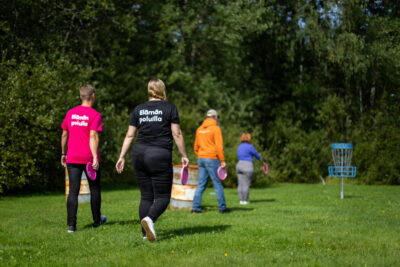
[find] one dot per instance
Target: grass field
(285, 224)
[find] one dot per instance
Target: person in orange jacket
(209, 149)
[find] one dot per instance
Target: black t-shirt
(153, 120)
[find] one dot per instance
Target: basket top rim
(342, 145)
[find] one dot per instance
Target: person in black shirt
(157, 124)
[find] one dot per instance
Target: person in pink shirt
(80, 145)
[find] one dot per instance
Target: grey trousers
(244, 171)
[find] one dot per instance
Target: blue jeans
(209, 167)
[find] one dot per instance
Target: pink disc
(265, 169)
(184, 175)
(90, 171)
(222, 173)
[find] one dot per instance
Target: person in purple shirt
(245, 168)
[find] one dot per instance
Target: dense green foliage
(284, 225)
(298, 75)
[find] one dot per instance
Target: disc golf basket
(341, 154)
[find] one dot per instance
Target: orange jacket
(208, 143)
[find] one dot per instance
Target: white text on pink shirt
(80, 120)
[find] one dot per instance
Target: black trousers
(75, 174)
(153, 170)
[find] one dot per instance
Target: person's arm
(220, 147)
(196, 145)
(64, 141)
(258, 156)
(129, 137)
(255, 153)
(94, 147)
(178, 137)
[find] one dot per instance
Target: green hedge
(295, 88)
(34, 98)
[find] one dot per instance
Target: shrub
(34, 99)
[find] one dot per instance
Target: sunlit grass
(287, 224)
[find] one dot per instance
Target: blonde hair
(246, 137)
(156, 89)
(86, 91)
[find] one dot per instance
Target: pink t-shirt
(78, 122)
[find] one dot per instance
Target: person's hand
(120, 165)
(223, 165)
(64, 161)
(185, 161)
(264, 164)
(95, 164)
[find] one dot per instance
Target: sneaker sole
(149, 234)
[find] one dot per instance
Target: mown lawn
(285, 224)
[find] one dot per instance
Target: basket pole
(342, 193)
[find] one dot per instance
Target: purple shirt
(246, 152)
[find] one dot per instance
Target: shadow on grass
(234, 209)
(193, 230)
(126, 222)
(352, 196)
(263, 200)
(206, 209)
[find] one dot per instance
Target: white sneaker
(246, 202)
(148, 226)
(241, 202)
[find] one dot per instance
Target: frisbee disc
(265, 169)
(222, 173)
(184, 175)
(90, 171)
